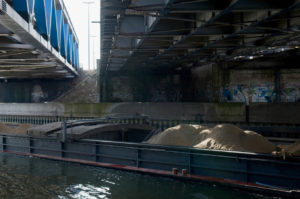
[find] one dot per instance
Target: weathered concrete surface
(186, 111)
(28, 91)
(84, 89)
(249, 86)
(255, 86)
(162, 111)
(208, 83)
(282, 113)
(29, 109)
(290, 85)
(143, 87)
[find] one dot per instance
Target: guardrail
(39, 120)
(268, 130)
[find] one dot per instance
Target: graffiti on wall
(167, 89)
(290, 93)
(266, 93)
(121, 89)
(37, 94)
(166, 95)
(247, 94)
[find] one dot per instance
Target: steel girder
(46, 26)
(184, 33)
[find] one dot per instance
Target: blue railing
(51, 21)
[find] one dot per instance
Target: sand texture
(21, 129)
(181, 135)
(221, 137)
(292, 150)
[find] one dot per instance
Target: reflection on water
(22, 177)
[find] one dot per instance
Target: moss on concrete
(230, 108)
(88, 110)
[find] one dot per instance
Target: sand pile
(4, 128)
(221, 137)
(181, 135)
(231, 138)
(21, 129)
(292, 150)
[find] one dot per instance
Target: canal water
(23, 177)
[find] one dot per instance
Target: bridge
(173, 34)
(200, 50)
(37, 40)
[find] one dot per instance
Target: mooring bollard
(184, 172)
(174, 171)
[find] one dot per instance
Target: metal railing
(269, 130)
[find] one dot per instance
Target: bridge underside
(175, 33)
(35, 47)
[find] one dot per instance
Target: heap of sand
(292, 150)
(231, 138)
(222, 137)
(181, 135)
(21, 129)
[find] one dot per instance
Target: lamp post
(89, 3)
(94, 65)
(98, 22)
(100, 74)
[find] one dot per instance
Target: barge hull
(255, 172)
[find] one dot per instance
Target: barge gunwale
(237, 169)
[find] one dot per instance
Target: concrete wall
(281, 113)
(274, 113)
(213, 84)
(141, 87)
(202, 81)
(290, 85)
(161, 111)
(249, 86)
(26, 91)
(260, 86)
(207, 83)
(32, 109)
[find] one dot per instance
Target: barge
(262, 173)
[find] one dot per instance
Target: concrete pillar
(216, 82)
(187, 86)
(277, 85)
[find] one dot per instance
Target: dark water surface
(23, 177)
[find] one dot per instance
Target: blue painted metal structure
(49, 21)
(259, 172)
(37, 40)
